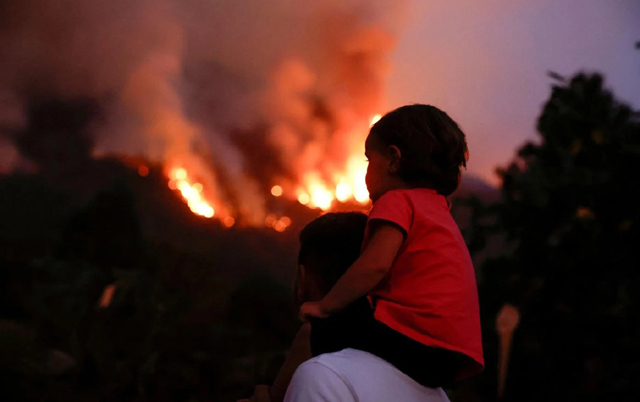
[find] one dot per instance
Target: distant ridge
(475, 186)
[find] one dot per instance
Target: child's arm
(368, 270)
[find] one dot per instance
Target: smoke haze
(486, 63)
(223, 89)
(247, 95)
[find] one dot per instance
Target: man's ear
(395, 158)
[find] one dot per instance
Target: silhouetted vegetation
(203, 313)
(568, 222)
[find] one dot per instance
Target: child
(414, 267)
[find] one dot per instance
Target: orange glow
(143, 170)
(343, 192)
(345, 184)
(270, 220)
(191, 193)
(322, 183)
(279, 226)
(180, 174)
(321, 198)
(107, 296)
(303, 199)
(276, 191)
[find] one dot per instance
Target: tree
(570, 213)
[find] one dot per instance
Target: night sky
(485, 62)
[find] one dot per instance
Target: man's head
(329, 245)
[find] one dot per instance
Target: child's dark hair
(432, 146)
(330, 244)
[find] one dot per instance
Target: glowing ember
(303, 199)
(143, 170)
(270, 220)
(276, 191)
(191, 193)
(228, 221)
(279, 226)
(107, 295)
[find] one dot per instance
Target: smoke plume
(241, 95)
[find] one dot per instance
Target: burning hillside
(315, 190)
(243, 108)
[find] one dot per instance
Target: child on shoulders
(415, 268)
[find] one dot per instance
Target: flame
(191, 193)
(347, 185)
(315, 189)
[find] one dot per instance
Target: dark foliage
(570, 223)
(204, 313)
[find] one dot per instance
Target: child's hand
(312, 309)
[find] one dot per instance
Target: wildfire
(350, 184)
(191, 193)
(313, 191)
(277, 224)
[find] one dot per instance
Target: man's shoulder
(363, 375)
(315, 380)
(349, 356)
(337, 364)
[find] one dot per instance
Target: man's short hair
(330, 244)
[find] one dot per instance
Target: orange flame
(314, 190)
(347, 185)
(191, 192)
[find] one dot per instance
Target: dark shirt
(355, 327)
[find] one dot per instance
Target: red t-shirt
(430, 293)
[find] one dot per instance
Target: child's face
(378, 178)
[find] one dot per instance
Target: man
(328, 247)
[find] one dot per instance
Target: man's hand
(313, 309)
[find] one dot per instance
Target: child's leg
(355, 327)
(430, 366)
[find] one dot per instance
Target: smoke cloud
(243, 95)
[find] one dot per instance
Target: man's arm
(299, 353)
(314, 382)
(368, 270)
